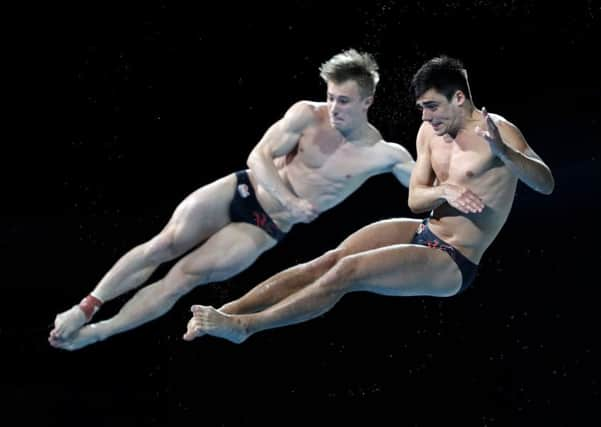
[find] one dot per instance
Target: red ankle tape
(90, 305)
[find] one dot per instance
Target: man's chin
(439, 129)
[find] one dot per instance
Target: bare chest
(460, 161)
(326, 153)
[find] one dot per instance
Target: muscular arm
(509, 145)
(280, 139)
(423, 195)
(404, 165)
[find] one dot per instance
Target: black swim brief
(246, 208)
(425, 237)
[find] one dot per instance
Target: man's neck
(356, 135)
(470, 116)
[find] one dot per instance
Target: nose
(426, 115)
(333, 106)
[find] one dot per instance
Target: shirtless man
(306, 163)
(467, 169)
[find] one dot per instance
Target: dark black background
(121, 109)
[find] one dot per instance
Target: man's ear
(459, 98)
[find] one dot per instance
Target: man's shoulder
(307, 109)
(497, 118)
(505, 127)
(308, 106)
(397, 151)
(425, 134)
(304, 113)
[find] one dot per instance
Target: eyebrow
(426, 103)
(340, 96)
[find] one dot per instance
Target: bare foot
(193, 329)
(219, 324)
(83, 337)
(66, 323)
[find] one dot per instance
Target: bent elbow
(252, 159)
(417, 211)
(413, 207)
(548, 189)
(548, 186)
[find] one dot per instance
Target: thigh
(227, 252)
(203, 212)
(380, 234)
(405, 270)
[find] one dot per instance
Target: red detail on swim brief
(260, 219)
(433, 243)
(90, 305)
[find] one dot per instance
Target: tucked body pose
(307, 162)
(468, 166)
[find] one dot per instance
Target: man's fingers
(477, 204)
(472, 202)
(481, 132)
(476, 208)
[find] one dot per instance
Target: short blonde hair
(352, 65)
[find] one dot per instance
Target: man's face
(443, 115)
(346, 108)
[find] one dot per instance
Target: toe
(54, 342)
(189, 336)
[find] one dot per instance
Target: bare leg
(133, 269)
(225, 254)
(287, 282)
(273, 290)
(201, 214)
(399, 270)
(270, 291)
(280, 286)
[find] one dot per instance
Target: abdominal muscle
(305, 184)
(470, 234)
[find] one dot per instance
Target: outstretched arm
(404, 166)
(508, 144)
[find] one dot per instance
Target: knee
(325, 262)
(342, 275)
(195, 273)
(164, 247)
(179, 281)
(346, 268)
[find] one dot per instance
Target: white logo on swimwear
(243, 190)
